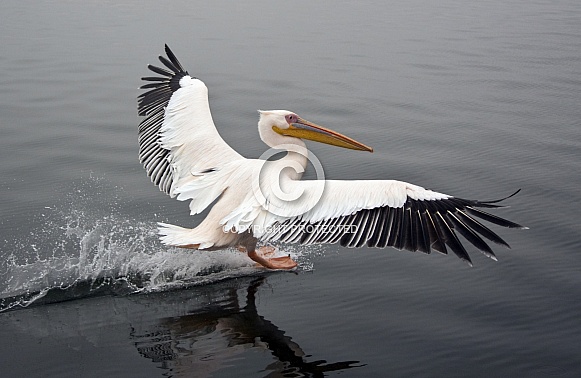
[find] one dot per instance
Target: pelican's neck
(294, 163)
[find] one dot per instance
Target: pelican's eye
(291, 118)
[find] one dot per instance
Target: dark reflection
(214, 337)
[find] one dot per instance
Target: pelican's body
(185, 156)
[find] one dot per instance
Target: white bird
(263, 200)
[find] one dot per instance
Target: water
(471, 99)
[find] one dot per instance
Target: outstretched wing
(383, 214)
(177, 137)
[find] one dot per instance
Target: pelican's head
(277, 126)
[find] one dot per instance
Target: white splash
(113, 252)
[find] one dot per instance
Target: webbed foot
(262, 257)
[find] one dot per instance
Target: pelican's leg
(261, 254)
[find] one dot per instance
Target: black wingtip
(502, 199)
(171, 56)
(160, 71)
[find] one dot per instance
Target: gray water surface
(473, 99)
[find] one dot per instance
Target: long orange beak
(307, 130)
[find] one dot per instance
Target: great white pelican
(257, 200)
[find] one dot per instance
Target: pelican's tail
(180, 237)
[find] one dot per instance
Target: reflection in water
(210, 339)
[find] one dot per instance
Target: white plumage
(265, 200)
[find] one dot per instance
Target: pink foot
(262, 257)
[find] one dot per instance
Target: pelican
(265, 200)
